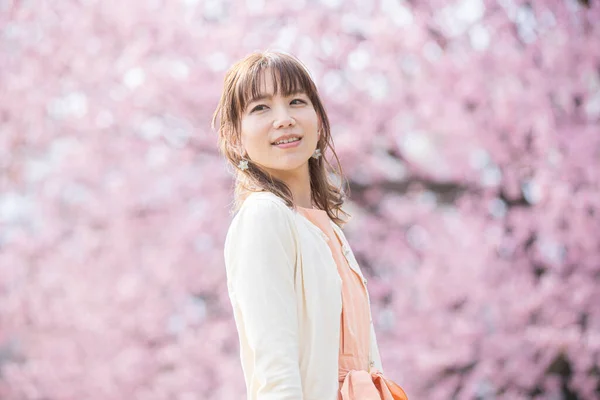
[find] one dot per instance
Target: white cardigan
(285, 293)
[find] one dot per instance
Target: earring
(316, 154)
(243, 165)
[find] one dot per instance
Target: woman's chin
(290, 166)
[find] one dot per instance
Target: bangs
(288, 76)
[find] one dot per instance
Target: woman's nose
(283, 118)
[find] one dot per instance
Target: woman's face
(266, 120)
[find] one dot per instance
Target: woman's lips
(288, 145)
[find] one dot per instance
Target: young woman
(299, 298)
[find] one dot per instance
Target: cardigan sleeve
(260, 259)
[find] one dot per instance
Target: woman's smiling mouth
(288, 145)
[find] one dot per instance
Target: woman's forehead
(272, 81)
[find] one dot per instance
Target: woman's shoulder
(262, 207)
(257, 197)
(264, 202)
(262, 214)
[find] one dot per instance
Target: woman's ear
(320, 127)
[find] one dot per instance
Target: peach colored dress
(357, 379)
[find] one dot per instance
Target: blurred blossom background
(469, 131)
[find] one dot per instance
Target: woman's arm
(260, 257)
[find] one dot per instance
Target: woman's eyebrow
(270, 96)
(261, 97)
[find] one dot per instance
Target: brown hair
(243, 81)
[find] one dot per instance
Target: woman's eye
(258, 108)
(261, 107)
